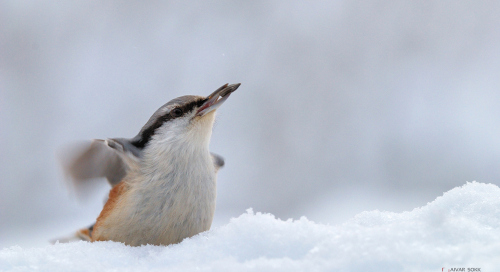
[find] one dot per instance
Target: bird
(163, 179)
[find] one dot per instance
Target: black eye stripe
(147, 134)
(189, 107)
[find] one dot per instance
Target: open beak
(217, 98)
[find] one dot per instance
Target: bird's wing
(97, 159)
(218, 161)
(110, 159)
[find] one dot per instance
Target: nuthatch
(163, 180)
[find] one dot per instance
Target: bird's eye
(176, 112)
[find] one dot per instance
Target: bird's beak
(213, 102)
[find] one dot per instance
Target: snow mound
(460, 229)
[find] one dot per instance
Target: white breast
(171, 194)
(167, 208)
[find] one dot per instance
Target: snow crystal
(460, 229)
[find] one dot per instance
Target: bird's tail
(84, 234)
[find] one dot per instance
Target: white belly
(165, 209)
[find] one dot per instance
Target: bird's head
(183, 120)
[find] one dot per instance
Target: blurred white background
(344, 106)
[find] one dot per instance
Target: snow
(460, 229)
